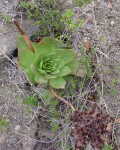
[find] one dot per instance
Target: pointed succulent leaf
(33, 67)
(64, 71)
(21, 44)
(21, 67)
(41, 71)
(57, 83)
(40, 78)
(61, 64)
(30, 76)
(39, 59)
(73, 66)
(26, 57)
(46, 45)
(67, 55)
(50, 76)
(56, 71)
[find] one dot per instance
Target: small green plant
(68, 21)
(46, 96)
(113, 82)
(7, 18)
(31, 100)
(47, 64)
(44, 13)
(3, 123)
(81, 2)
(113, 91)
(52, 107)
(106, 147)
(86, 60)
(54, 125)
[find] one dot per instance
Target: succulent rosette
(49, 64)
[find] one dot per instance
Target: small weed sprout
(30, 100)
(86, 60)
(3, 124)
(81, 2)
(68, 21)
(107, 147)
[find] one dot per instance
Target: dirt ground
(25, 131)
(102, 30)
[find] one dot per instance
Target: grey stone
(17, 128)
(8, 38)
(8, 31)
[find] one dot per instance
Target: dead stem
(61, 99)
(24, 36)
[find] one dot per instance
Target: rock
(112, 23)
(7, 42)
(8, 38)
(17, 128)
(7, 8)
(8, 30)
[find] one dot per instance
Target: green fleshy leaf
(40, 78)
(50, 76)
(73, 67)
(56, 71)
(77, 69)
(55, 65)
(40, 58)
(33, 68)
(21, 44)
(61, 64)
(41, 71)
(30, 76)
(21, 67)
(64, 71)
(46, 45)
(26, 57)
(41, 63)
(67, 55)
(57, 83)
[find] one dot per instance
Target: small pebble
(17, 127)
(6, 2)
(112, 23)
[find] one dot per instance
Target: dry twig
(62, 99)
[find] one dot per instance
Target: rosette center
(48, 65)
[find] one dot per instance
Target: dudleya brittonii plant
(49, 64)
